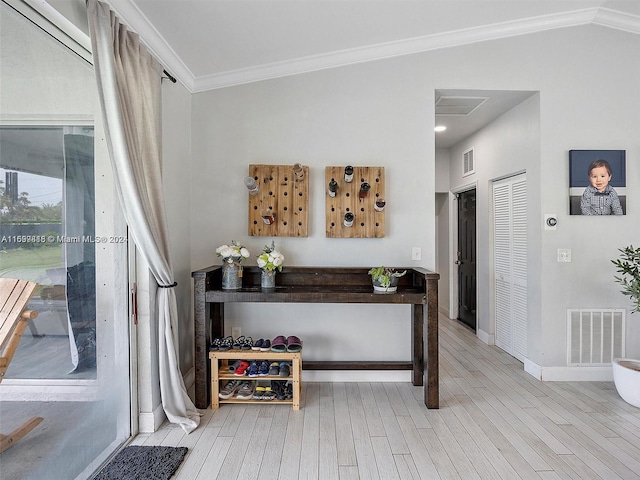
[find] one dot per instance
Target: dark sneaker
(263, 369)
(266, 346)
(253, 369)
(285, 369)
(268, 394)
(274, 369)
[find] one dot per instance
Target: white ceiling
(215, 43)
(208, 44)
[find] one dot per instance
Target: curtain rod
(169, 76)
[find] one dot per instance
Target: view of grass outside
(30, 263)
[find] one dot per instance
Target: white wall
(362, 115)
(176, 134)
(382, 113)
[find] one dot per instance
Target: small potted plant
(626, 371)
(270, 261)
(385, 279)
(232, 257)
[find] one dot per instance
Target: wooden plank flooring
(495, 422)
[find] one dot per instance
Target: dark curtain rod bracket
(169, 76)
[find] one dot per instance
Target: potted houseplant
(626, 371)
(270, 261)
(385, 279)
(232, 257)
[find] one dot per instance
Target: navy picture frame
(579, 161)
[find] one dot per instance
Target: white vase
(626, 377)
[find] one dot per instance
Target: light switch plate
(564, 255)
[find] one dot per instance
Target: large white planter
(626, 376)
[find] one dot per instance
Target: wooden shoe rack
(220, 373)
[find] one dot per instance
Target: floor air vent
(595, 337)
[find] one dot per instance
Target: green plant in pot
(385, 279)
(626, 371)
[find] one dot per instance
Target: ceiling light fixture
(440, 128)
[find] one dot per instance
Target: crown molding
(394, 49)
(626, 22)
(162, 50)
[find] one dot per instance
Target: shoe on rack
(263, 369)
(245, 391)
(247, 344)
(258, 393)
(234, 366)
(215, 345)
(268, 394)
(266, 346)
(278, 387)
(288, 391)
(274, 369)
(226, 344)
(241, 370)
(285, 369)
(258, 345)
(238, 342)
(253, 368)
(229, 389)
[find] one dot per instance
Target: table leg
(417, 344)
(432, 386)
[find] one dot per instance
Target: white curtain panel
(129, 79)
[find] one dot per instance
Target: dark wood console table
(419, 288)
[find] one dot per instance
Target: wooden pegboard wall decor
(368, 222)
(282, 193)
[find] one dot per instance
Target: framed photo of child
(597, 182)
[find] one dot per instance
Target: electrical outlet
(416, 253)
(564, 255)
(236, 332)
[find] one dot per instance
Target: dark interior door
(467, 258)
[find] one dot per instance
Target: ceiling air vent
(458, 106)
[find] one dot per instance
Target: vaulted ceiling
(210, 44)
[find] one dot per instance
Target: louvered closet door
(510, 264)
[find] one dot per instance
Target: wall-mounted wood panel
(284, 196)
(368, 222)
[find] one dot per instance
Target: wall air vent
(458, 106)
(595, 336)
(468, 163)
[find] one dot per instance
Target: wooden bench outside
(14, 318)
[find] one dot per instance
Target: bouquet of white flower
(270, 259)
(234, 253)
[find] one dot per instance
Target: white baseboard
(569, 374)
(486, 337)
(149, 422)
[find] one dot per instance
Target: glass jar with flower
(270, 261)
(232, 257)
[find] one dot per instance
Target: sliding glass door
(60, 227)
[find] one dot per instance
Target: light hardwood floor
(494, 421)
